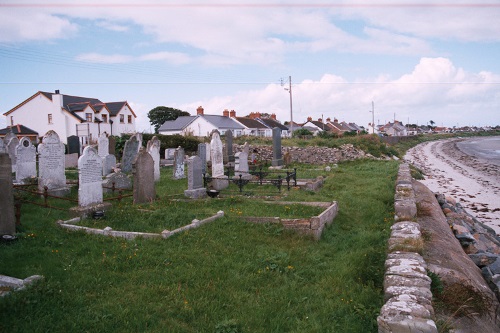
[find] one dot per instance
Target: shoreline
(472, 181)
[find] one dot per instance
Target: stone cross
(195, 179)
(51, 164)
(11, 149)
(277, 159)
(202, 154)
(26, 160)
(130, 151)
(7, 216)
(144, 182)
(153, 148)
(90, 178)
(103, 145)
(179, 157)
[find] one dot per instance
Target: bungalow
(394, 129)
(70, 115)
(20, 131)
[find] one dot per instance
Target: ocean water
(487, 148)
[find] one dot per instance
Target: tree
(161, 114)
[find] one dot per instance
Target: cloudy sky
(416, 60)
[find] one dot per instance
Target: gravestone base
(244, 175)
(220, 184)
(276, 163)
(87, 211)
(59, 192)
(196, 193)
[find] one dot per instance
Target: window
(88, 117)
(129, 118)
(122, 118)
(49, 118)
(104, 118)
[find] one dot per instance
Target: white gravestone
(153, 148)
(108, 164)
(26, 160)
(103, 145)
(51, 164)
(220, 180)
(179, 157)
(90, 178)
(11, 148)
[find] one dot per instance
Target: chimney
(257, 114)
(335, 120)
(309, 118)
(57, 92)
(273, 116)
(225, 113)
(320, 120)
(328, 119)
(199, 110)
(232, 114)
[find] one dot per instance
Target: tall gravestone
(179, 157)
(209, 158)
(130, 151)
(153, 148)
(8, 137)
(241, 165)
(26, 160)
(144, 182)
(51, 165)
(202, 154)
(7, 216)
(112, 145)
(219, 181)
(74, 145)
(277, 157)
(103, 145)
(228, 150)
(195, 179)
(11, 148)
(90, 178)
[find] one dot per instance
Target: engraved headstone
(144, 183)
(130, 151)
(26, 160)
(103, 145)
(108, 164)
(7, 216)
(219, 180)
(51, 164)
(11, 149)
(112, 145)
(277, 158)
(179, 157)
(202, 154)
(153, 148)
(241, 165)
(90, 178)
(195, 179)
(73, 145)
(228, 149)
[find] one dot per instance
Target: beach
(467, 169)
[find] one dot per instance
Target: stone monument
(103, 145)
(144, 182)
(179, 157)
(219, 181)
(153, 148)
(11, 149)
(112, 145)
(277, 158)
(195, 179)
(51, 165)
(108, 164)
(202, 154)
(228, 149)
(241, 166)
(130, 151)
(74, 145)
(26, 160)
(90, 178)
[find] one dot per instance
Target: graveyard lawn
(227, 275)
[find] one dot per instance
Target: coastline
(452, 168)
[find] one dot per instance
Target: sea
(486, 148)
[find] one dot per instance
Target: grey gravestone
(73, 145)
(195, 179)
(287, 157)
(202, 154)
(71, 160)
(9, 136)
(90, 178)
(208, 151)
(26, 160)
(277, 159)
(144, 182)
(241, 166)
(7, 216)
(112, 145)
(121, 180)
(3, 148)
(108, 164)
(153, 148)
(130, 151)
(179, 157)
(103, 145)
(169, 153)
(246, 148)
(228, 151)
(221, 181)
(51, 165)
(11, 149)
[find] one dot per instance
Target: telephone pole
(373, 117)
(291, 109)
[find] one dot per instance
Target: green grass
(226, 275)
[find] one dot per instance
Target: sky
(417, 61)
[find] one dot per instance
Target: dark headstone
(7, 216)
(277, 158)
(74, 145)
(144, 182)
(202, 154)
(228, 152)
(195, 179)
(179, 157)
(112, 145)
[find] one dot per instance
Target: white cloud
(176, 58)
(112, 26)
(104, 59)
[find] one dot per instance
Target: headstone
(246, 148)
(130, 151)
(169, 153)
(9, 136)
(219, 181)
(202, 154)
(26, 160)
(287, 157)
(11, 149)
(179, 157)
(103, 145)
(209, 158)
(51, 165)
(90, 178)
(228, 151)
(112, 145)
(153, 148)
(73, 145)
(71, 160)
(195, 179)
(3, 148)
(277, 158)
(7, 215)
(108, 164)
(241, 166)
(120, 179)
(144, 182)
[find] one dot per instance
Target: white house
(72, 115)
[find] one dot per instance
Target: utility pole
(291, 111)
(373, 117)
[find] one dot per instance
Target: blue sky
(417, 60)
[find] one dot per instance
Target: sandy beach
(460, 168)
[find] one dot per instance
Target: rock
(495, 267)
(483, 259)
(446, 211)
(451, 200)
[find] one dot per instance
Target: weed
(463, 300)
(409, 245)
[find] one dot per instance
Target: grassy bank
(227, 276)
